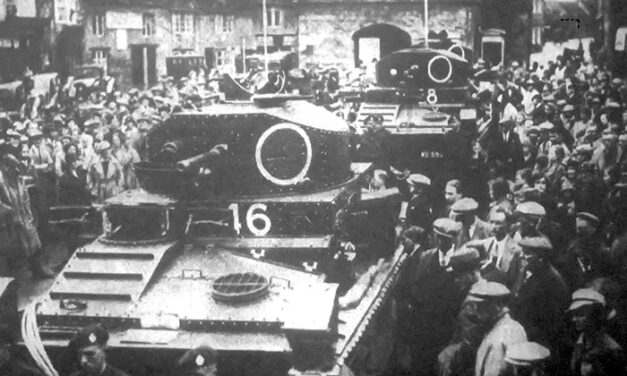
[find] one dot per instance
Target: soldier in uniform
(201, 361)
(527, 358)
(90, 345)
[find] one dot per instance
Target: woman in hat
(105, 177)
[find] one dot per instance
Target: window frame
(149, 25)
(182, 23)
(103, 61)
(98, 24)
(275, 17)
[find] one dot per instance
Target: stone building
(22, 39)
(139, 40)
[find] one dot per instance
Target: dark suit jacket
(508, 152)
(73, 191)
(584, 261)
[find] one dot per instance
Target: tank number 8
(257, 222)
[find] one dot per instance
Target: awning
(19, 27)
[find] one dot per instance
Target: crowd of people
(523, 270)
(75, 147)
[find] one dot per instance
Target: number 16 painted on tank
(257, 222)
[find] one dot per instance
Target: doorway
(144, 65)
(377, 41)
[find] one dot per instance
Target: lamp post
(265, 34)
(426, 23)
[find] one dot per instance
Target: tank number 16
(257, 221)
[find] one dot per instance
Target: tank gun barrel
(192, 162)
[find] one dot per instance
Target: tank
(418, 92)
(252, 234)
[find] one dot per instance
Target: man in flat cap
(491, 299)
(586, 258)
(503, 144)
(473, 228)
(541, 296)
(90, 346)
(502, 254)
(595, 351)
(527, 358)
(435, 298)
(201, 361)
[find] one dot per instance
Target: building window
(98, 24)
(275, 17)
(183, 23)
(65, 11)
(220, 58)
(536, 35)
(538, 6)
(228, 24)
(148, 25)
(100, 57)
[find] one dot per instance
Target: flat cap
(569, 108)
(34, 133)
(561, 103)
(468, 258)
(622, 137)
(465, 205)
(13, 134)
(416, 179)
(93, 122)
(526, 353)
(534, 129)
(484, 290)
(102, 146)
(531, 208)
(586, 297)
(446, 227)
(88, 336)
(546, 126)
(133, 91)
(196, 358)
(617, 81)
(539, 243)
(588, 217)
(584, 149)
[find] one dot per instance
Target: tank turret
(422, 96)
(292, 147)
